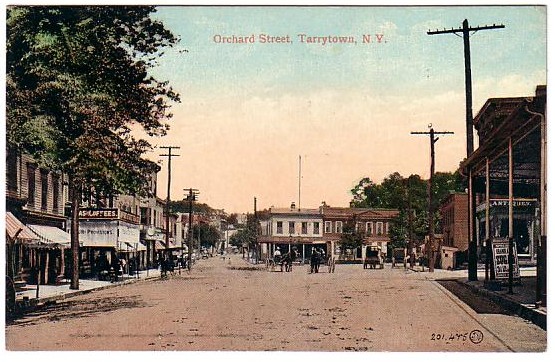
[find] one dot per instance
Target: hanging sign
(500, 249)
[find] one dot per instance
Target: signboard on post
(500, 251)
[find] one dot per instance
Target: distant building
(305, 229)
(454, 216)
(374, 223)
(289, 228)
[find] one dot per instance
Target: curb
(533, 315)
(46, 300)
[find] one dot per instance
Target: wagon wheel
(10, 297)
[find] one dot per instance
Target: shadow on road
(474, 300)
(65, 310)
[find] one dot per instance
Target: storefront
(18, 239)
(48, 257)
(153, 240)
(107, 235)
(525, 225)
(507, 184)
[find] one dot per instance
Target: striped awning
(16, 230)
(50, 236)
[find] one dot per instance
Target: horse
(287, 261)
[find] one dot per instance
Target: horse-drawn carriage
(373, 258)
(399, 257)
(284, 261)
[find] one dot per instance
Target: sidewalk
(51, 293)
(522, 302)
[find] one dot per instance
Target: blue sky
(249, 110)
(410, 59)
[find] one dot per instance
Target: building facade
(373, 223)
(36, 196)
(507, 179)
(292, 228)
(322, 228)
(454, 224)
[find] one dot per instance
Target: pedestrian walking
(314, 261)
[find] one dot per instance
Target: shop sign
(505, 203)
(110, 214)
(98, 214)
(98, 233)
(516, 203)
(501, 260)
(128, 232)
(129, 217)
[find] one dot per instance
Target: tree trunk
(75, 197)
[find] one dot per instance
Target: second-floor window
(11, 169)
(328, 227)
(145, 216)
(55, 193)
(369, 228)
(31, 185)
(338, 227)
(316, 228)
(279, 227)
(379, 228)
(291, 227)
(304, 228)
(43, 190)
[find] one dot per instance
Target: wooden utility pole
(169, 156)
(75, 197)
(300, 177)
(411, 223)
(430, 246)
(256, 231)
(465, 30)
(193, 193)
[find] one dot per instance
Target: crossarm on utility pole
(169, 155)
(466, 30)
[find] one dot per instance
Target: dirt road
(222, 305)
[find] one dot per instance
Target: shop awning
(15, 229)
(174, 245)
(131, 247)
(50, 236)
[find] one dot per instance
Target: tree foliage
(248, 235)
(198, 208)
(208, 235)
(77, 81)
(395, 191)
(350, 238)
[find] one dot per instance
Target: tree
(394, 192)
(76, 83)
(351, 238)
(248, 236)
(198, 208)
(207, 234)
(231, 219)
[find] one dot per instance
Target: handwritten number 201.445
(449, 337)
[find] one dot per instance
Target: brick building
(373, 222)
